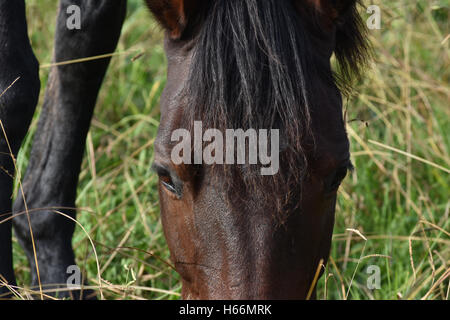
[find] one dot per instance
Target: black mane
(253, 68)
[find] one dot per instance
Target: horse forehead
(172, 103)
(171, 120)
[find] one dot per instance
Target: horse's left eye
(333, 182)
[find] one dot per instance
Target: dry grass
(393, 210)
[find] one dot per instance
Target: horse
(232, 64)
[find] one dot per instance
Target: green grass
(401, 205)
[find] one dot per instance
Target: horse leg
(19, 91)
(51, 179)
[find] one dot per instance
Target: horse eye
(167, 182)
(165, 177)
(334, 180)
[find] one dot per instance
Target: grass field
(397, 197)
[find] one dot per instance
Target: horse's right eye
(171, 184)
(167, 182)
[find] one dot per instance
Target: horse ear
(352, 48)
(328, 11)
(174, 15)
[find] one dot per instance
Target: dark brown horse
(232, 64)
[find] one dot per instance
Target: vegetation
(396, 202)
